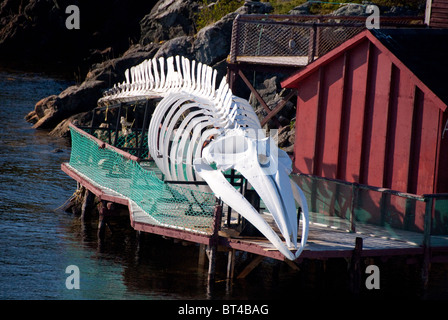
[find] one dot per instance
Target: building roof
(424, 52)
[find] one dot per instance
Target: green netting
(167, 204)
(128, 141)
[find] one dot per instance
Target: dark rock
(282, 136)
(49, 112)
(267, 90)
(303, 9)
(257, 7)
(350, 10)
(167, 20)
(182, 46)
(62, 129)
(212, 43)
(402, 11)
(112, 71)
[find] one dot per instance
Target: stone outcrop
(168, 19)
(51, 111)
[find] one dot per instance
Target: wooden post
(230, 264)
(353, 206)
(384, 206)
(229, 209)
(257, 96)
(355, 267)
(142, 135)
(103, 218)
(428, 12)
(211, 253)
(213, 247)
(117, 126)
(312, 43)
(86, 208)
(426, 265)
(201, 260)
(140, 235)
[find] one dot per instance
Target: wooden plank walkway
(323, 241)
(329, 242)
(139, 219)
(294, 61)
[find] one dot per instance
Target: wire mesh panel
(298, 40)
(364, 209)
(130, 141)
(330, 37)
(167, 204)
(265, 39)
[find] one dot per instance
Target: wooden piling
(87, 205)
(211, 253)
(103, 218)
(230, 264)
(201, 259)
(213, 246)
(355, 267)
(426, 263)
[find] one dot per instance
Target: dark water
(37, 243)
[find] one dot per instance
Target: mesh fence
(262, 39)
(299, 36)
(166, 204)
(373, 211)
(129, 141)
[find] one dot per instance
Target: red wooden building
(373, 111)
(437, 13)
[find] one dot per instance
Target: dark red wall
(361, 117)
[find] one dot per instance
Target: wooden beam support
(278, 107)
(292, 264)
(256, 94)
(251, 266)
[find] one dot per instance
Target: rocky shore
(113, 36)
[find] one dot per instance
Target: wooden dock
(324, 241)
(165, 208)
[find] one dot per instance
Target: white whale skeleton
(197, 132)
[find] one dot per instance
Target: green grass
(327, 6)
(211, 13)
